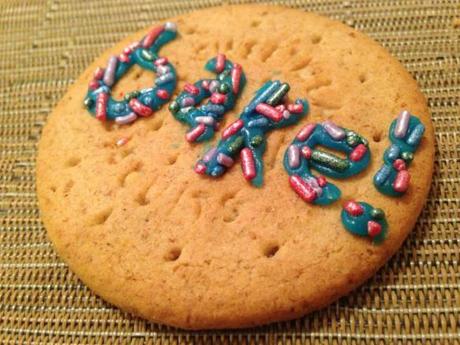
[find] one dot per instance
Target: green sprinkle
(364, 141)
(223, 75)
(174, 107)
(131, 95)
(407, 156)
(236, 144)
(224, 88)
(329, 160)
(88, 102)
(353, 139)
(279, 94)
(257, 140)
(377, 213)
(147, 55)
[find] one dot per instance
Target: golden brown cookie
(146, 233)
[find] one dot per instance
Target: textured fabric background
(45, 45)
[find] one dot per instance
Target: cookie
(127, 212)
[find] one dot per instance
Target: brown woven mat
(415, 298)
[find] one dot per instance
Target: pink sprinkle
(295, 108)
(187, 102)
(205, 84)
(302, 188)
(213, 85)
(236, 77)
(98, 73)
(161, 61)
(225, 160)
(218, 98)
(127, 51)
(93, 84)
(195, 132)
(373, 228)
(353, 208)
(152, 36)
(399, 164)
(322, 182)
(232, 128)
(200, 168)
(101, 106)
(306, 131)
(139, 108)
(124, 58)
(401, 182)
(192, 89)
(358, 153)
(269, 112)
(162, 94)
(248, 164)
(134, 45)
(122, 141)
(306, 151)
(220, 62)
(280, 108)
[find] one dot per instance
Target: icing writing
(222, 93)
(246, 136)
(405, 134)
(137, 103)
(302, 155)
(362, 219)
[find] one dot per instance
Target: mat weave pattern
(45, 45)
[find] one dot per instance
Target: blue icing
(338, 168)
(358, 225)
(401, 148)
(253, 136)
(147, 96)
(189, 114)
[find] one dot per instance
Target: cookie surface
(148, 234)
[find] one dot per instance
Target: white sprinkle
(170, 26)
(123, 120)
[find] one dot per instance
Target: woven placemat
(414, 299)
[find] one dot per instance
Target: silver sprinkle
(416, 135)
(207, 120)
(208, 155)
(293, 156)
(163, 69)
(224, 160)
(333, 130)
(402, 124)
(109, 74)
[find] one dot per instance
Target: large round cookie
(148, 234)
